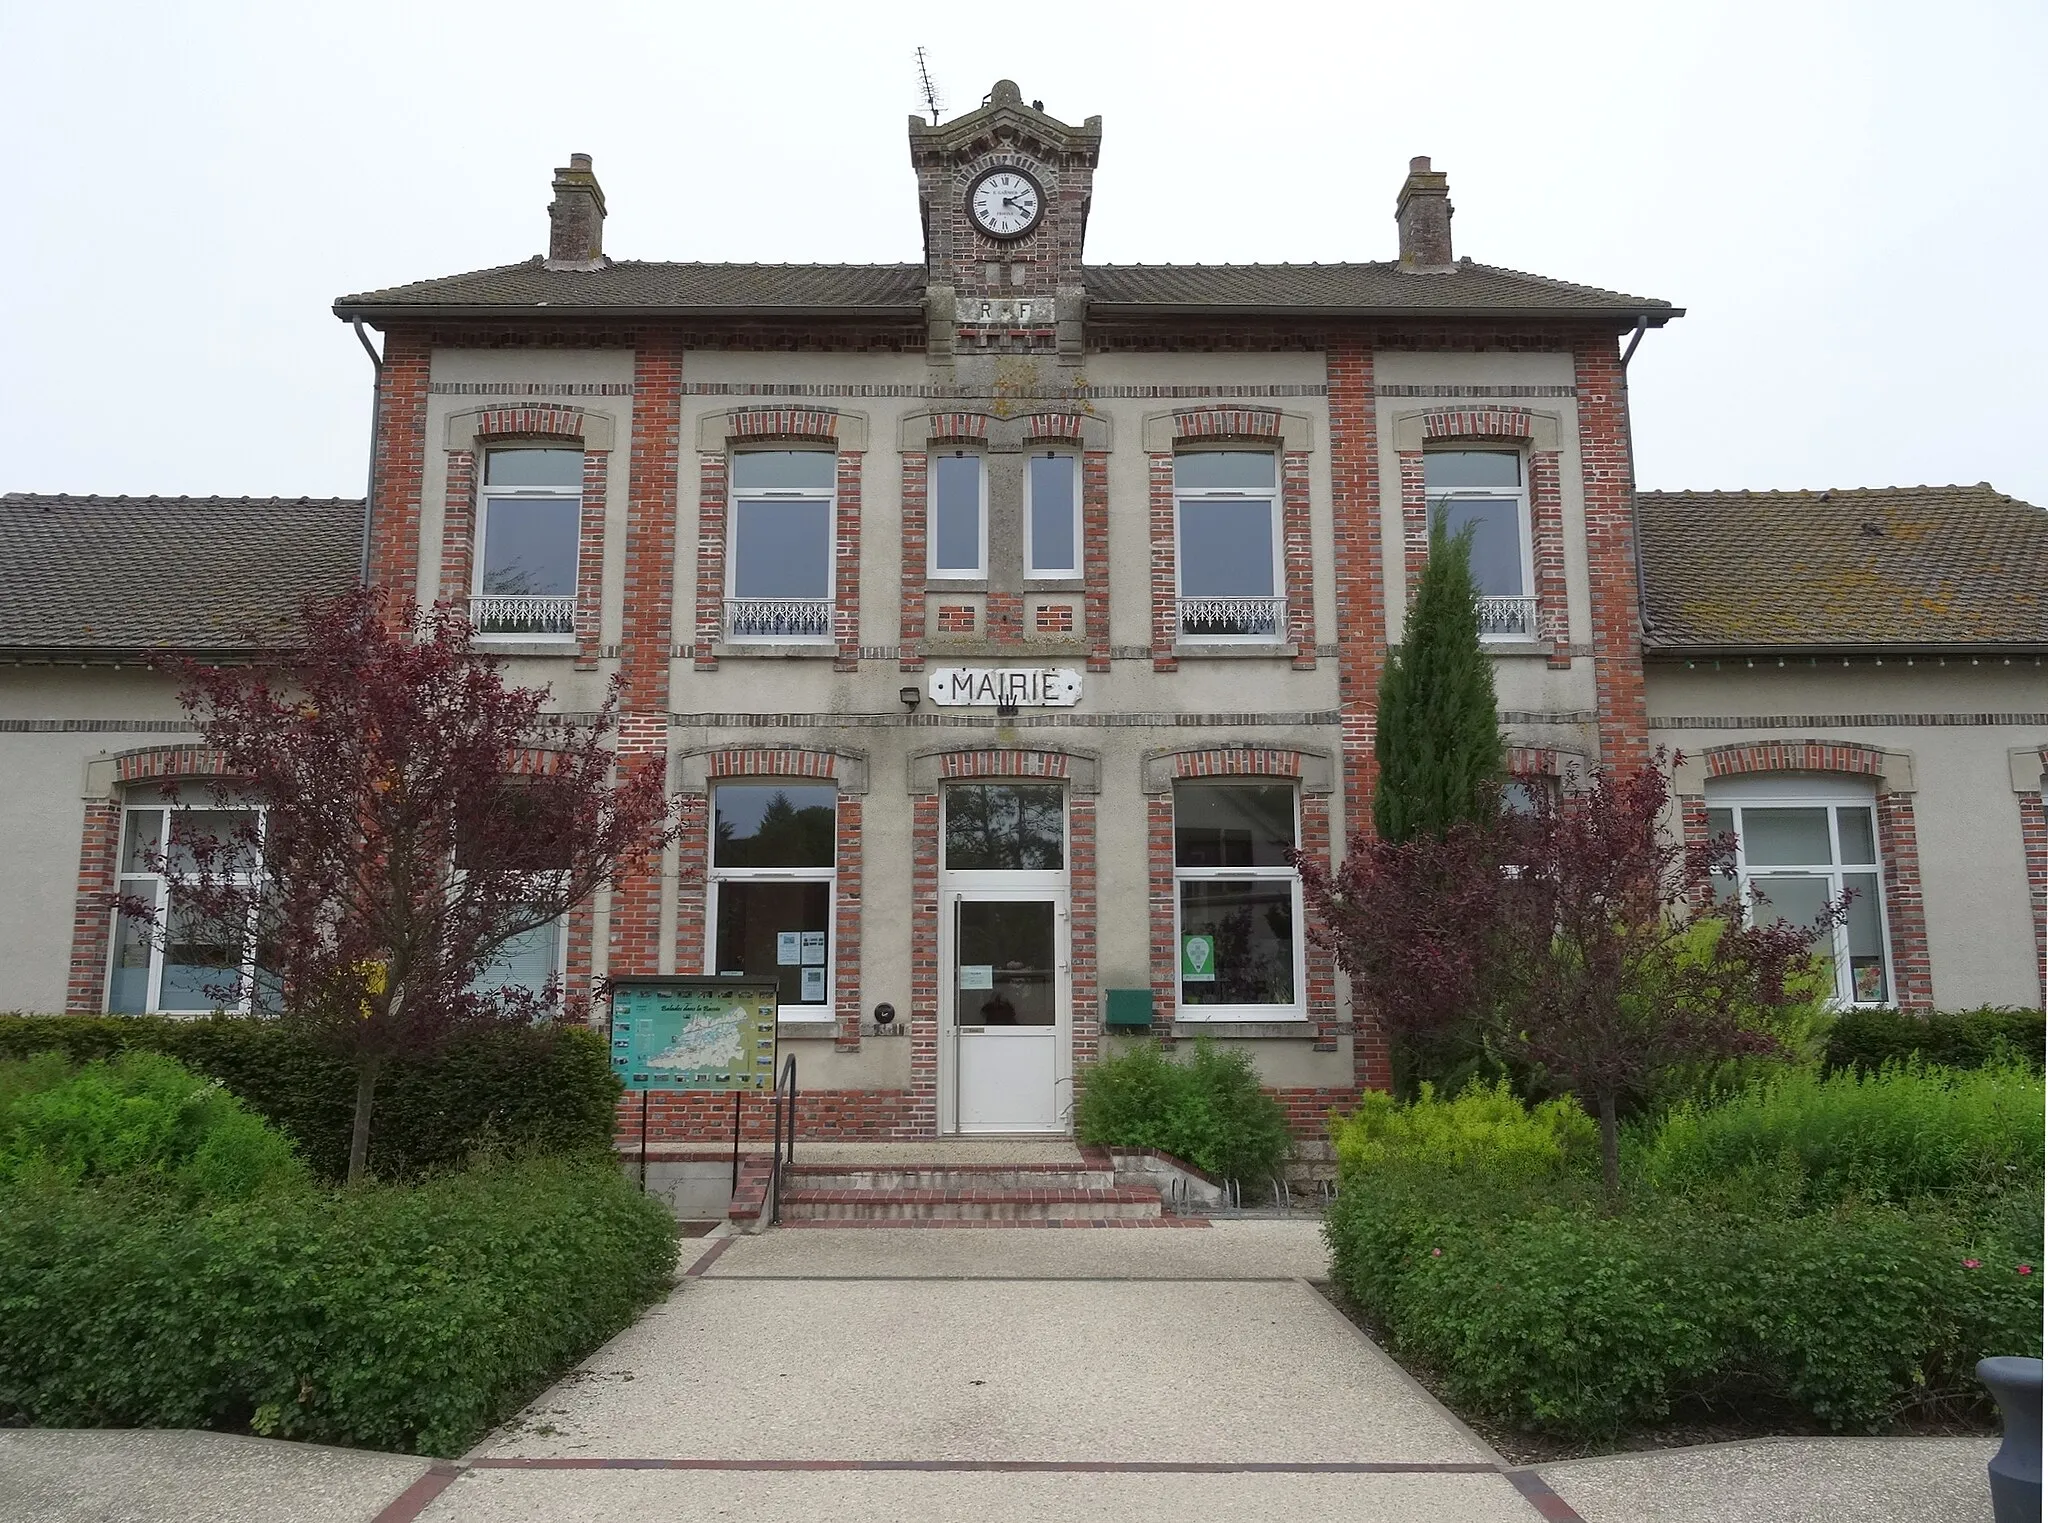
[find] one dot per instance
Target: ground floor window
(1801, 844)
(180, 964)
(773, 851)
(1238, 901)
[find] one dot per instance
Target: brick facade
(1609, 490)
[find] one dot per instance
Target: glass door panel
(1004, 965)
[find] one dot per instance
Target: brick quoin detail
(92, 919)
(1081, 948)
(458, 527)
(158, 762)
(1898, 844)
(846, 924)
(577, 983)
(1159, 896)
(1361, 618)
(590, 557)
(782, 423)
(1052, 425)
(1300, 550)
(921, 1116)
(1546, 532)
(1095, 555)
(1003, 764)
(916, 552)
(711, 511)
(400, 465)
(1165, 565)
(2034, 839)
(1227, 423)
(1053, 619)
(958, 427)
(956, 618)
(1414, 521)
(1623, 713)
(1477, 423)
(846, 565)
(693, 853)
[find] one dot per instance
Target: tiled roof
(898, 289)
(1847, 569)
(115, 574)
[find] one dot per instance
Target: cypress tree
(1438, 745)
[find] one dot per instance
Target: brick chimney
(1424, 215)
(576, 218)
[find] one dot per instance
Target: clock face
(1006, 203)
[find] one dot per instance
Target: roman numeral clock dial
(1006, 203)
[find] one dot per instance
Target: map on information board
(686, 1032)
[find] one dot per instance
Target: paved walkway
(929, 1374)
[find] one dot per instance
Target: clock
(1005, 203)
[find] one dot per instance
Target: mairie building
(1003, 624)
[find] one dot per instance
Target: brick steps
(963, 1202)
(940, 1176)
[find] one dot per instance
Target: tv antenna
(926, 88)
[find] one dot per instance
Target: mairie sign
(1012, 687)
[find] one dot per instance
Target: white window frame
(716, 877)
(979, 570)
(1270, 496)
(1523, 616)
(560, 971)
(484, 495)
(1298, 1010)
(1049, 880)
(734, 498)
(1031, 571)
(1742, 794)
(153, 995)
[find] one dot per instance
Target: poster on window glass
(814, 949)
(1198, 959)
(688, 1032)
(1868, 975)
(788, 948)
(814, 986)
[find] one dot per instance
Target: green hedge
(1207, 1110)
(1868, 1039)
(544, 1087)
(408, 1318)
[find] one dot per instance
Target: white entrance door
(1003, 962)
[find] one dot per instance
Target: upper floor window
(526, 556)
(1228, 526)
(1052, 540)
(959, 524)
(1238, 897)
(182, 963)
(779, 569)
(773, 874)
(1799, 845)
(1483, 490)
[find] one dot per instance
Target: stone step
(950, 1176)
(984, 1203)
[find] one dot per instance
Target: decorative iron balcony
(778, 618)
(1507, 618)
(541, 618)
(1233, 618)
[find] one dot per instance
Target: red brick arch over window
(994, 762)
(92, 917)
(1259, 426)
(1369, 1048)
(1897, 840)
(692, 942)
(1546, 511)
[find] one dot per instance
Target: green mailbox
(1127, 1009)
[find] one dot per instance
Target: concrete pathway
(926, 1375)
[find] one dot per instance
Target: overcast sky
(1848, 199)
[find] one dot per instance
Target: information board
(691, 1032)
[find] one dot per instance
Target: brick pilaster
(458, 528)
(590, 557)
(846, 565)
(712, 504)
(924, 967)
(846, 924)
(693, 856)
(400, 465)
(1095, 555)
(1299, 540)
(916, 558)
(1546, 530)
(1159, 894)
(1898, 844)
(1623, 714)
(1414, 524)
(1081, 932)
(1321, 994)
(2034, 838)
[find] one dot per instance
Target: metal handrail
(777, 1156)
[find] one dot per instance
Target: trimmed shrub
(547, 1087)
(1481, 1129)
(402, 1318)
(1869, 1039)
(1895, 1135)
(1208, 1110)
(138, 1119)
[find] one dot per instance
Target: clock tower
(1004, 192)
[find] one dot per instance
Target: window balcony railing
(1233, 618)
(778, 618)
(1507, 618)
(538, 618)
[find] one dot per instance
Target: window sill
(940, 582)
(812, 650)
(1055, 582)
(1514, 647)
(514, 645)
(1296, 1030)
(806, 1029)
(1247, 651)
